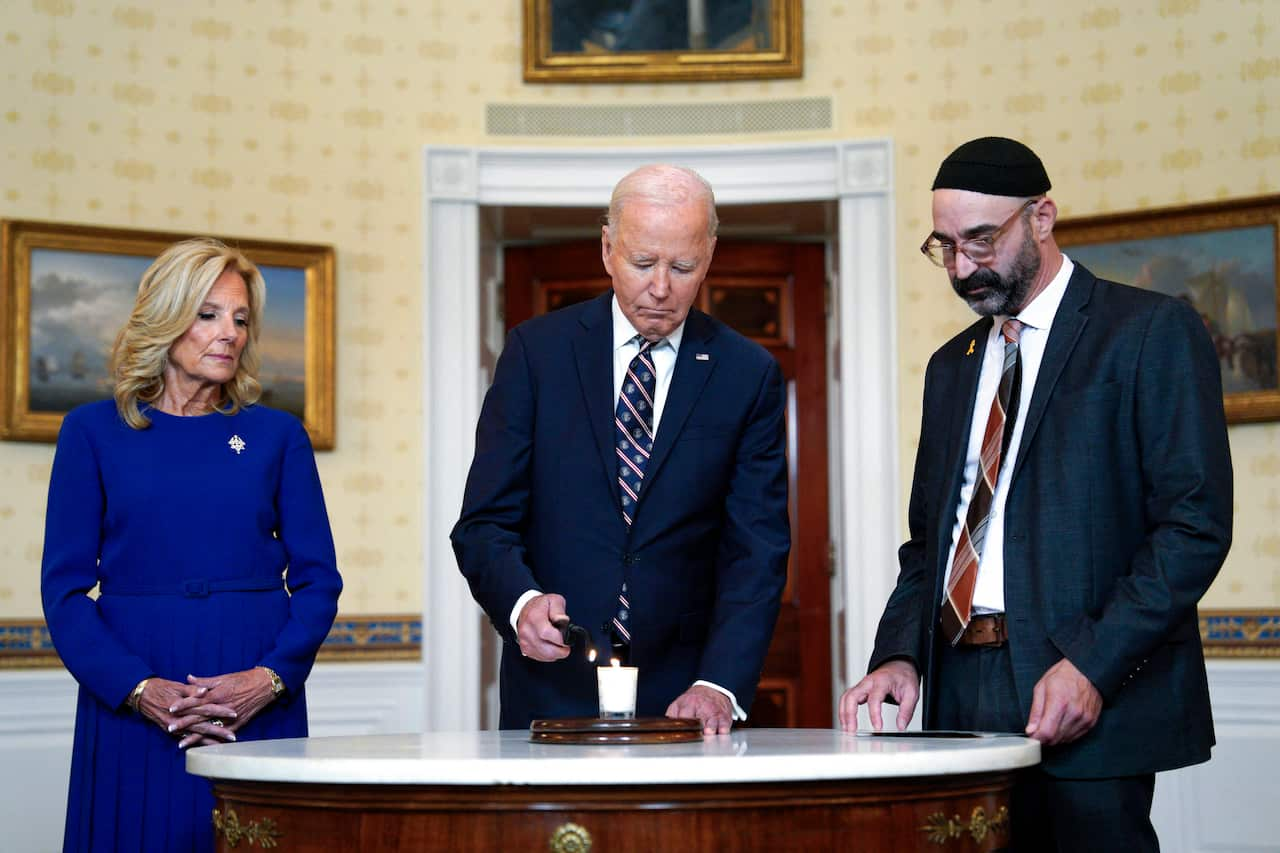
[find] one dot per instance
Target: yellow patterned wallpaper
(304, 120)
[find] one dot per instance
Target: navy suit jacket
(705, 558)
(1118, 517)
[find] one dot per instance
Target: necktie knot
(1012, 330)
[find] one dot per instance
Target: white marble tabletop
(509, 758)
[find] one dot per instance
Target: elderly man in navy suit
(1070, 506)
(630, 474)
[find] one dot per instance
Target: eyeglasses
(980, 250)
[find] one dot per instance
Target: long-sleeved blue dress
(188, 526)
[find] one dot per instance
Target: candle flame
(615, 662)
(591, 655)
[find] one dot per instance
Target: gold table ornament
(940, 829)
(262, 833)
(570, 838)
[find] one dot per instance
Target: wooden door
(774, 293)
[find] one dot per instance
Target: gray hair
(662, 183)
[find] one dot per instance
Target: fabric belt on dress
(985, 629)
(197, 588)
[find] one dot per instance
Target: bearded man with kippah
(1071, 503)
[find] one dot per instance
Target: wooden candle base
(600, 731)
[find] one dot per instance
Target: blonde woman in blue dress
(184, 501)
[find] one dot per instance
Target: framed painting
(65, 291)
(1222, 258)
(647, 41)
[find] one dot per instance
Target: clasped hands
(206, 710)
(541, 640)
(1064, 706)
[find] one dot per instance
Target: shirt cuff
(520, 603)
(738, 713)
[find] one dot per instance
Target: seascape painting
(79, 301)
(1221, 258)
(1228, 276)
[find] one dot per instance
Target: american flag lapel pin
(702, 356)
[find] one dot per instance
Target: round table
(756, 789)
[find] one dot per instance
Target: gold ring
(216, 722)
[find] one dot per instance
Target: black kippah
(993, 165)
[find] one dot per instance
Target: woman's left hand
(246, 692)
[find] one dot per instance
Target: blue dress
(188, 526)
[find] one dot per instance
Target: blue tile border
(25, 643)
(373, 638)
(21, 636)
(1240, 633)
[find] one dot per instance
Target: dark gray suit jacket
(1118, 517)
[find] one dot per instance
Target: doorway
(466, 185)
(774, 292)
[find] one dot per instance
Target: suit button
(630, 559)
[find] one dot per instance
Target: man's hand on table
(897, 678)
(710, 707)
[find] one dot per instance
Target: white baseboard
(37, 718)
(366, 698)
(1229, 803)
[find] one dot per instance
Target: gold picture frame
(65, 289)
(574, 42)
(1223, 258)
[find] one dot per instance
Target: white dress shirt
(664, 353)
(1037, 319)
(625, 347)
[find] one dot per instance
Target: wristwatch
(277, 686)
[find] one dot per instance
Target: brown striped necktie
(995, 441)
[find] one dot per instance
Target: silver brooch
(237, 444)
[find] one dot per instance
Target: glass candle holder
(617, 688)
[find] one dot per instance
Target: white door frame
(858, 175)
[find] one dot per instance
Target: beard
(989, 293)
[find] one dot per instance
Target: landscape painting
(1222, 260)
(69, 299)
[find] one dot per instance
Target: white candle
(617, 686)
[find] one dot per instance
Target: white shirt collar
(623, 331)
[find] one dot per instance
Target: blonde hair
(663, 184)
(169, 296)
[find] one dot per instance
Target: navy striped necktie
(633, 425)
(633, 431)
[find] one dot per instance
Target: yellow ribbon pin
(971, 345)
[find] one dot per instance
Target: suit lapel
(687, 381)
(967, 368)
(1068, 323)
(593, 352)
